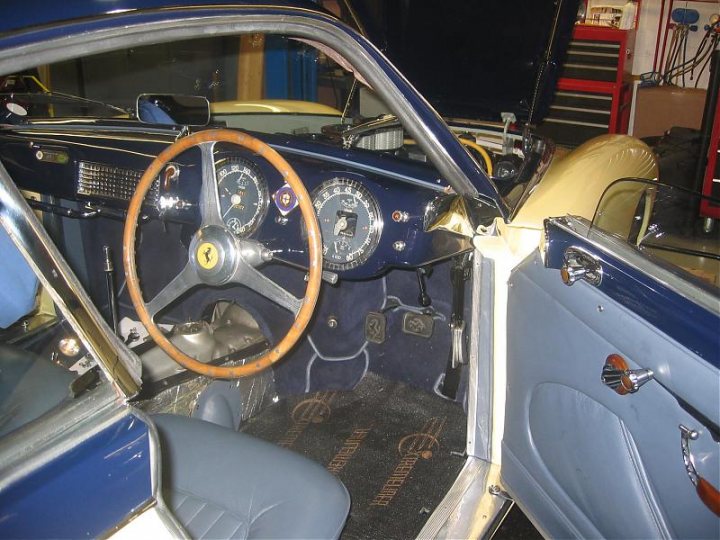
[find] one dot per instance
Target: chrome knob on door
(708, 494)
(617, 375)
(579, 264)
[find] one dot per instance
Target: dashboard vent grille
(108, 182)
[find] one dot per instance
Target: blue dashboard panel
(85, 492)
(398, 185)
(678, 317)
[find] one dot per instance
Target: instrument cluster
(348, 213)
(370, 220)
(350, 222)
(243, 194)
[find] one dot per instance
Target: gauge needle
(340, 225)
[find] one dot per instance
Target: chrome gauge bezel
(260, 187)
(347, 186)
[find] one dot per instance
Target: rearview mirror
(173, 109)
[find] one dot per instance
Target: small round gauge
(350, 222)
(243, 195)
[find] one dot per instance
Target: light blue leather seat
(18, 283)
(224, 484)
(29, 387)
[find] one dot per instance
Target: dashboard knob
(398, 216)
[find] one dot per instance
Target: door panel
(91, 482)
(581, 459)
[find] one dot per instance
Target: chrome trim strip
(575, 123)
(480, 394)
(618, 249)
(359, 166)
(96, 131)
(598, 44)
(587, 95)
(591, 53)
(589, 66)
(457, 514)
(578, 109)
(56, 432)
(164, 512)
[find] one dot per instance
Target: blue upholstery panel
(224, 484)
(29, 387)
(18, 283)
(84, 492)
(583, 460)
(590, 429)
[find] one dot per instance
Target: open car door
(613, 385)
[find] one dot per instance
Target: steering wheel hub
(213, 253)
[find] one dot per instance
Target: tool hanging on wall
(678, 67)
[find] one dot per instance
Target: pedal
(375, 327)
(417, 324)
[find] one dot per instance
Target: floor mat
(397, 449)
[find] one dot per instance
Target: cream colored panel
(575, 182)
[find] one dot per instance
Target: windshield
(658, 220)
(57, 105)
(249, 75)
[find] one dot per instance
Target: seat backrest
(29, 387)
(18, 283)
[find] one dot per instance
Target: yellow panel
(251, 67)
(574, 183)
(272, 106)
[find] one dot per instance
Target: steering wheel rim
(314, 240)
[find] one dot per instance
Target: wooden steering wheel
(217, 257)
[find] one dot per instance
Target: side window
(664, 223)
(42, 363)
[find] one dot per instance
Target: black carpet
(397, 449)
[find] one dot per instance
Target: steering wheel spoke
(257, 281)
(209, 200)
(179, 285)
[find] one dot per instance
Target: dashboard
(372, 208)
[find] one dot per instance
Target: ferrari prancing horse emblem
(207, 255)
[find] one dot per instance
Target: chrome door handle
(579, 264)
(708, 493)
(617, 375)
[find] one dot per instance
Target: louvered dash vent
(108, 182)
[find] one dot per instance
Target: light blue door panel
(581, 459)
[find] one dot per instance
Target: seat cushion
(29, 387)
(225, 484)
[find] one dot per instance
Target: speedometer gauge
(350, 222)
(243, 195)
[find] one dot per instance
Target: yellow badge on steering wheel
(207, 255)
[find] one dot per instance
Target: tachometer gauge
(243, 195)
(350, 222)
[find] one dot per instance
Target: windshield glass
(242, 77)
(660, 221)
